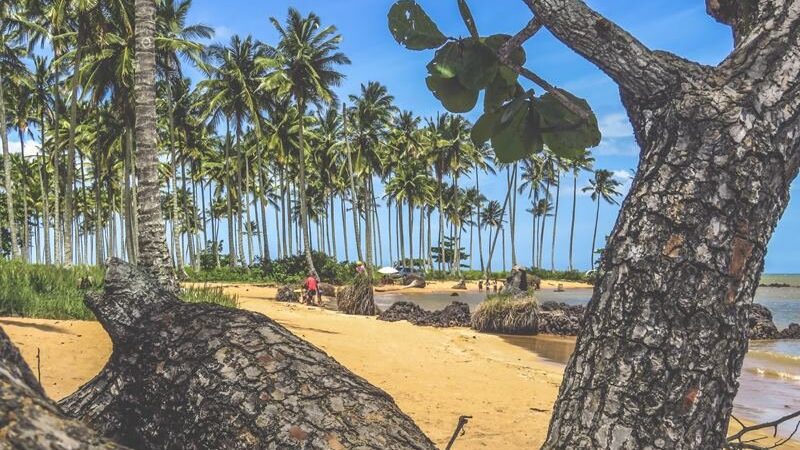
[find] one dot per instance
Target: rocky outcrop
(287, 294)
(328, 290)
(560, 318)
(507, 316)
(516, 284)
(461, 285)
(358, 298)
(760, 322)
(790, 332)
(414, 281)
(455, 314)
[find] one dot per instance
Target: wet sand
(435, 375)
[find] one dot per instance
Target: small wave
(775, 356)
(774, 374)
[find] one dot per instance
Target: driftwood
(358, 298)
(28, 419)
(741, 440)
(202, 376)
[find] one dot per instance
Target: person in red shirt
(311, 288)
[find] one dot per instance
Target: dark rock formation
(287, 294)
(760, 323)
(358, 298)
(560, 318)
(328, 290)
(507, 316)
(461, 285)
(790, 332)
(202, 376)
(28, 419)
(516, 283)
(455, 314)
(414, 281)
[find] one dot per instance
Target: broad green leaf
(520, 136)
(454, 97)
(474, 63)
(496, 41)
(469, 21)
(564, 132)
(484, 128)
(498, 92)
(413, 28)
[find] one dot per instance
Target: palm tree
(602, 187)
(152, 240)
(11, 52)
(492, 217)
(306, 58)
(582, 162)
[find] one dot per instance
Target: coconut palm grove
(260, 159)
(404, 224)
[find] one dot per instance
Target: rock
(328, 290)
(507, 316)
(560, 318)
(358, 299)
(455, 314)
(534, 282)
(287, 294)
(403, 311)
(790, 332)
(454, 294)
(761, 324)
(516, 283)
(201, 376)
(461, 285)
(414, 281)
(28, 419)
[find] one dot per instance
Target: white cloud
(615, 125)
(31, 147)
(617, 147)
(625, 177)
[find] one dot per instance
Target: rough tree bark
(201, 376)
(28, 419)
(657, 363)
(152, 236)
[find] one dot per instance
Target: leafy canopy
(516, 121)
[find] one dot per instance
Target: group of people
(311, 292)
(490, 285)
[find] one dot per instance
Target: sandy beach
(434, 375)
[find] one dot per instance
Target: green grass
(50, 292)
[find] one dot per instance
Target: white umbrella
(388, 270)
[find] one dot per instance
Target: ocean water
(770, 379)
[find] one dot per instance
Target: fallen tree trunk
(201, 376)
(28, 419)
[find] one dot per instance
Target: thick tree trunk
(151, 235)
(201, 376)
(28, 419)
(657, 362)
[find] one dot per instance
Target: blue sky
(679, 26)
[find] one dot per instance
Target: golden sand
(434, 375)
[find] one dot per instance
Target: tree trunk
(301, 162)
(43, 186)
(572, 222)
(513, 221)
(232, 260)
(152, 240)
(12, 219)
(177, 368)
(594, 235)
(478, 221)
(555, 221)
(69, 189)
(657, 362)
(30, 420)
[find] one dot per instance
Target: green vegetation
(280, 271)
(47, 292)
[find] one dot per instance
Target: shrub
(503, 314)
(293, 269)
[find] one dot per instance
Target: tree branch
(736, 441)
(516, 41)
(632, 65)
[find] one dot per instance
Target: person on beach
(480, 285)
(312, 288)
(360, 269)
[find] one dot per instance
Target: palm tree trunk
(12, 224)
(333, 227)
(26, 235)
(390, 226)
(572, 222)
(301, 162)
(246, 203)
(177, 242)
(411, 233)
(353, 193)
(594, 235)
(69, 207)
(190, 235)
(43, 183)
(232, 260)
(376, 223)
(513, 224)
(441, 224)
(478, 218)
(344, 228)
(555, 221)
(401, 234)
(151, 236)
